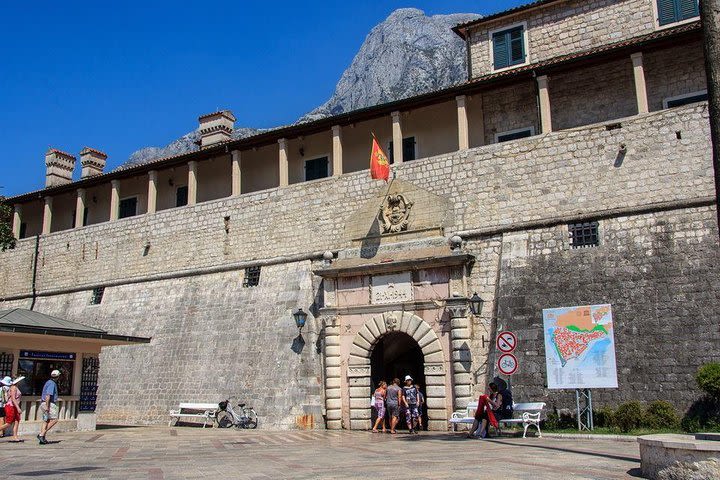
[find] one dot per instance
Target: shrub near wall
(704, 414)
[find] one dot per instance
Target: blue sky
(119, 76)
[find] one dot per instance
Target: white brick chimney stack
(92, 162)
(59, 168)
(216, 127)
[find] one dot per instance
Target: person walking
(393, 397)
(5, 385)
(410, 400)
(379, 404)
(421, 406)
(49, 406)
(13, 411)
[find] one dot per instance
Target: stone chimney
(92, 162)
(216, 127)
(59, 168)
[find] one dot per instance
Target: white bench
(532, 415)
(205, 411)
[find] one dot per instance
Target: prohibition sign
(506, 341)
(507, 364)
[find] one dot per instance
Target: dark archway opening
(395, 355)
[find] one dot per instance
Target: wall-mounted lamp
(171, 182)
(476, 304)
(300, 318)
(302, 152)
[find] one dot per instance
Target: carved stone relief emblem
(391, 322)
(394, 214)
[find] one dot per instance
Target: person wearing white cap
(5, 384)
(49, 406)
(12, 408)
(410, 400)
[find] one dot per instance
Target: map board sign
(580, 347)
(506, 341)
(507, 364)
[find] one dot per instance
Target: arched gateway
(358, 368)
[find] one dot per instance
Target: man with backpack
(411, 397)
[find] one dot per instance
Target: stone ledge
(680, 442)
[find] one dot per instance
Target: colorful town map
(580, 347)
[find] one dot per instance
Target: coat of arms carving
(394, 214)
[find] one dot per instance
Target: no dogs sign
(506, 341)
(507, 364)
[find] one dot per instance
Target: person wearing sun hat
(12, 408)
(49, 406)
(5, 384)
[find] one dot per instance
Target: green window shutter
(688, 9)
(501, 53)
(666, 11)
(517, 46)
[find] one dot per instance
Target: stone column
(333, 395)
(114, 200)
(152, 191)
(397, 138)
(640, 86)
(17, 220)
(337, 150)
(192, 182)
(460, 335)
(80, 208)
(47, 216)
(283, 162)
(544, 97)
(236, 173)
(463, 128)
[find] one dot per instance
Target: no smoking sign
(506, 341)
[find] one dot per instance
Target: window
(316, 168)
(128, 207)
(583, 235)
(36, 368)
(181, 196)
(23, 230)
(514, 134)
(673, 11)
(408, 150)
(508, 47)
(252, 277)
(685, 99)
(97, 295)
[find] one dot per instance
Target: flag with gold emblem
(379, 164)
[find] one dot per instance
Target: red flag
(379, 165)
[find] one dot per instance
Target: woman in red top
(483, 417)
(12, 411)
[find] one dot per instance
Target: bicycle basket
(223, 405)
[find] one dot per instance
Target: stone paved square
(157, 453)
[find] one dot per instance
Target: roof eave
(115, 339)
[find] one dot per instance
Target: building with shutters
(573, 167)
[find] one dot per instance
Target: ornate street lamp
(475, 304)
(300, 318)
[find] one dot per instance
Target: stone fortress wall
(511, 202)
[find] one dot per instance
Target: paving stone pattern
(180, 453)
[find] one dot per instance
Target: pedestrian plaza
(156, 453)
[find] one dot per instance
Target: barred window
(583, 235)
(252, 277)
(97, 296)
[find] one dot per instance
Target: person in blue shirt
(49, 406)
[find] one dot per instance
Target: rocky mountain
(407, 54)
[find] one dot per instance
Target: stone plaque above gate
(394, 288)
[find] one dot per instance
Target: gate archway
(359, 366)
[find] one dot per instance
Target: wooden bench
(531, 415)
(205, 411)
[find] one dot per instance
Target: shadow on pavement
(60, 471)
(561, 449)
(116, 427)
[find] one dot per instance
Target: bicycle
(228, 417)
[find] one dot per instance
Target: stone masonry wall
(676, 71)
(567, 27)
(211, 339)
(564, 173)
(659, 272)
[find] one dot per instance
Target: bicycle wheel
(224, 420)
(250, 420)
